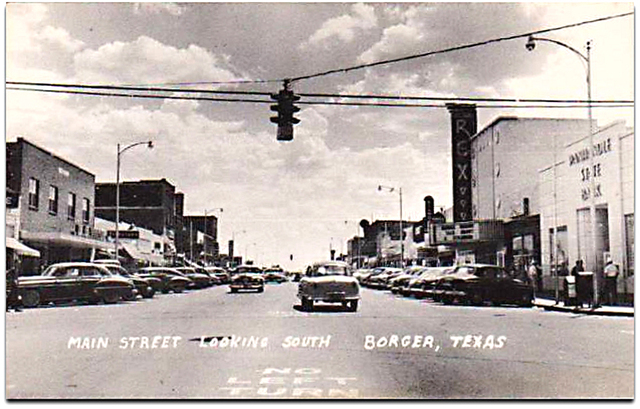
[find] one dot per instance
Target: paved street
(213, 344)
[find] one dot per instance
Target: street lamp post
(531, 44)
(391, 189)
(120, 152)
(204, 244)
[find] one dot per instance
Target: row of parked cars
(108, 282)
(475, 284)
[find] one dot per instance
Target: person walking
(611, 272)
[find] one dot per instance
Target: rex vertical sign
(464, 123)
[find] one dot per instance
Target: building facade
(581, 177)
(150, 204)
(53, 202)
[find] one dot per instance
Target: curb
(587, 311)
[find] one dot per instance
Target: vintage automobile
(143, 285)
(365, 279)
(423, 285)
(396, 283)
(276, 275)
(198, 280)
(213, 280)
(379, 281)
(329, 282)
(479, 283)
(361, 273)
(74, 281)
(246, 278)
(169, 279)
(220, 273)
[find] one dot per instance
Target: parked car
(366, 278)
(379, 281)
(246, 278)
(329, 282)
(480, 283)
(74, 281)
(169, 279)
(213, 280)
(276, 275)
(143, 285)
(220, 273)
(424, 285)
(198, 280)
(361, 273)
(398, 282)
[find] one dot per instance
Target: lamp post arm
(561, 44)
(121, 151)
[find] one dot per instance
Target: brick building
(53, 201)
(151, 204)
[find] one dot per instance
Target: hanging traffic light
(285, 109)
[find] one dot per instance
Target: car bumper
(246, 286)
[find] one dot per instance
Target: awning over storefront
(63, 239)
(21, 248)
(135, 254)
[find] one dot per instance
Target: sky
(308, 195)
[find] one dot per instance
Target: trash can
(569, 290)
(584, 287)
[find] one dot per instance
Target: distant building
(150, 204)
(51, 203)
(201, 238)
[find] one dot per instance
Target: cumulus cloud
(128, 62)
(173, 9)
(345, 27)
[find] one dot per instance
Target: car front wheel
(307, 304)
(31, 299)
(352, 306)
(110, 297)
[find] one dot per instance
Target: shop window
(561, 250)
(53, 200)
(34, 193)
(629, 225)
(85, 210)
(71, 206)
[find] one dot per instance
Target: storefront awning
(63, 239)
(135, 254)
(21, 248)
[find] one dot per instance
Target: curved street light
(530, 46)
(120, 152)
(391, 189)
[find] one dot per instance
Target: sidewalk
(550, 304)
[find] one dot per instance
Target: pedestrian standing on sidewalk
(579, 267)
(611, 282)
(533, 277)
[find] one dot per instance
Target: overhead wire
(600, 104)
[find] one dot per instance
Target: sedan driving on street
(329, 282)
(247, 278)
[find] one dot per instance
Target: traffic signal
(285, 109)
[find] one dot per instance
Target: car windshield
(248, 270)
(329, 270)
(118, 270)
